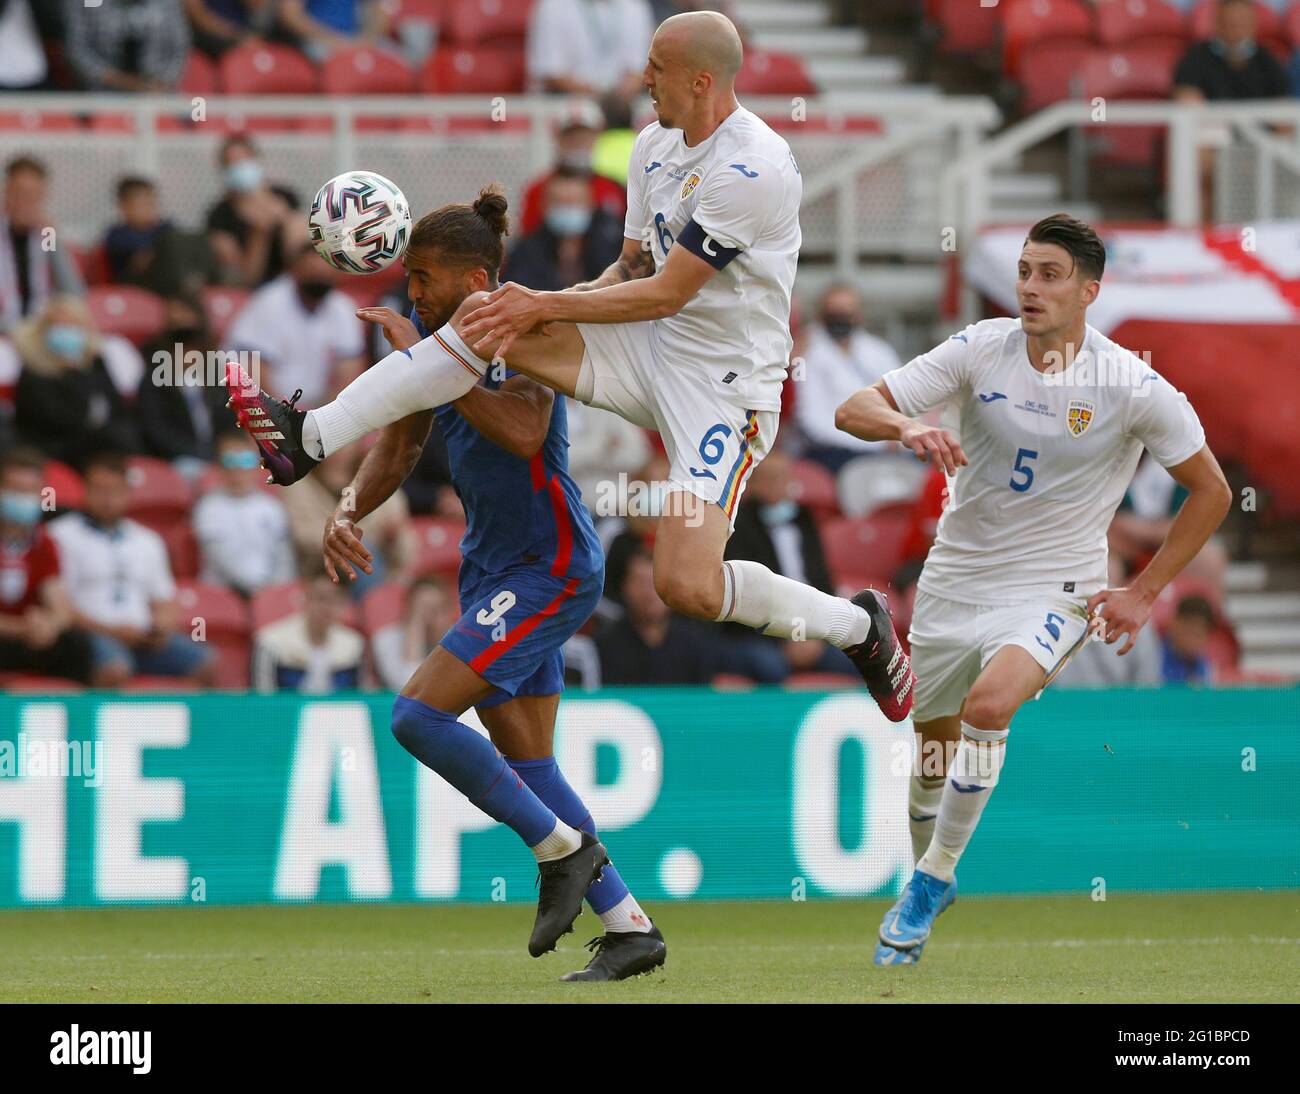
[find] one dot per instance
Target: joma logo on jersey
(1079, 416)
(692, 181)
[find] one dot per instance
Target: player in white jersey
(1053, 419)
(687, 334)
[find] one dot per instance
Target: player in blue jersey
(532, 571)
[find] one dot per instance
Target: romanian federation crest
(1079, 416)
(692, 181)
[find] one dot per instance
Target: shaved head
(701, 41)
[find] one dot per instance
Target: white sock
(562, 841)
(626, 916)
(975, 770)
(924, 794)
(438, 370)
(754, 595)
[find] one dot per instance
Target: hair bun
(491, 206)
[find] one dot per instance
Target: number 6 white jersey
(1050, 457)
(732, 200)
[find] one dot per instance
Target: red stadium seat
(1143, 71)
(134, 313)
(276, 601)
(966, 27)
(480, 71)
(38, 121)
(69, 489)
(93, 264)
(439, 550)
(182, 546)
(814, 487)
(262, 68)
(1269, 29)
(364, 70)
(224, 612)
(1050, 73)
(771, 72)
(221, 303)
(227, 623)
(1134, 22)
(199, 76)
(1293, 25)
(1035, 23)
(865, 550)
(476, 22)
(159, 493)
(382, 606)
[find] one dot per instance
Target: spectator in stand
(430, 610)
(575, 147)
(243, 531)
(67, 404)
(130, 244)
(388, 532)
(33, 267)
(252, 228)
(589, 47)
(304, 330)
(219, 25)
(36, 632)
(312, 651)
(1097, 665)
(1231, 65)
(128, 45)
(120, 582)
(23, 65)
(774, 529)
(181, 402)
(576, 242)
(1185, 643)
(651, 644)
(322, 26)
(838, 358)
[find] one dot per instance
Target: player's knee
(685, 593)
(413, 722)
(986, 709)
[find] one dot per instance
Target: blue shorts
(515, 622)
(180, 655)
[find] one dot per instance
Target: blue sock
(468, 761)
(546, 781)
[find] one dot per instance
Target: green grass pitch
(1220, 947)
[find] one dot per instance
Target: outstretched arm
(633, 263)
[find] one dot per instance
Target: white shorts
(952, 642)
(712, 445)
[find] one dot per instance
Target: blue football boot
(906, 926)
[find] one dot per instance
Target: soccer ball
(360, 222)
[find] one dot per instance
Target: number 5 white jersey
(732, 200)
(1050, 458)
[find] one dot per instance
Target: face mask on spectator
(24, 509)
(1245, 49)
(239, 461)
(577, 161)
(838, 325)
(568, 220)
(779, 512)
(244, 175)
(65, 340)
